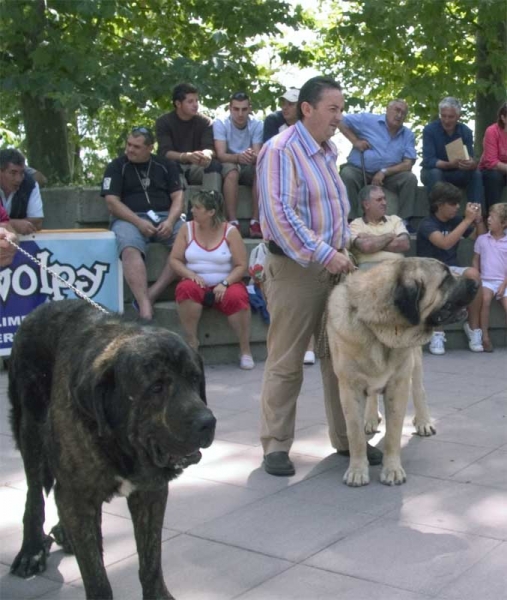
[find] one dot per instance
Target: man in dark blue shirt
(276, 122)
(438, 237)
(436, 165)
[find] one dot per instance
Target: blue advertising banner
(86, 259)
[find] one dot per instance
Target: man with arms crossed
(375, 236)
(136, 186)
(303, 211)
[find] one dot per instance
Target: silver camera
(153, 217)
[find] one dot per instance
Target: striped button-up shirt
(303, 202)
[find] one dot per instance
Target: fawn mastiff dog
(102, 406)
(377, 322)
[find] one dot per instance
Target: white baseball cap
(291, 95)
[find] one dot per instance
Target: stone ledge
(80, 208)
(218, 343)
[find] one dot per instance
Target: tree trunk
(46, 138)
(491, 73)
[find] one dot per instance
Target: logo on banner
(25, 279)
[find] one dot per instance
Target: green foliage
(110, 63)
(420, 50)
(79, 73)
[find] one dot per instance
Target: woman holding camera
(210, 257)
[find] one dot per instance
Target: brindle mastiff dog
(102, 406)
(377, 323)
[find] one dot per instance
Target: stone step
(83, 208)
(218, 344)
(156, 257)
(69, 208)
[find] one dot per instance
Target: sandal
(487, 345)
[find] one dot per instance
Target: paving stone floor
(232, 531)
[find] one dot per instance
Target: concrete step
(218, 344)
(68, 208)
(83, 207)
(156, 257)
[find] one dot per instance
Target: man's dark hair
(181, 90)
(11, 155)
(444, 193)
(312, 90)
(240, 96)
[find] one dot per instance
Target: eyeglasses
(240, 96)
(141, 130)
(144, 131)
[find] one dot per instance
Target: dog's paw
(356, 476)
(32, 562)
(424, 427)
(371, 425)
(60, 537)
(393, 475)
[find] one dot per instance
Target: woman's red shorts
(234, 300)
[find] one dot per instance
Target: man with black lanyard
(144, 196)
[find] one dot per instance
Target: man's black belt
(274, 248)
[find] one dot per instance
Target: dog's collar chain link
(53, 274)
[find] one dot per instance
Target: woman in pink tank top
(210, 257)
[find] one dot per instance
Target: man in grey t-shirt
(238, 139)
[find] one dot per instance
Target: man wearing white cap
(281, 119)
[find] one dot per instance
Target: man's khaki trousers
(296, 299)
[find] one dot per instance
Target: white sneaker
(246, 362)
(309, 358)
(437, 345)
(474, 338)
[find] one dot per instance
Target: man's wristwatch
(225, 283)
(383, 171)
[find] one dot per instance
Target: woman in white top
(210, 257)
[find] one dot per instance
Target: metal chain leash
(53, 274)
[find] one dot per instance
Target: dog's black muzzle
(203, 428)
(454, 310)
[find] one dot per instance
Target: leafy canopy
(111, 63)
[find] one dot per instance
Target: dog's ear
(407, 298)
(90, 389)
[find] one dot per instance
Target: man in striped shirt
(303, 213)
